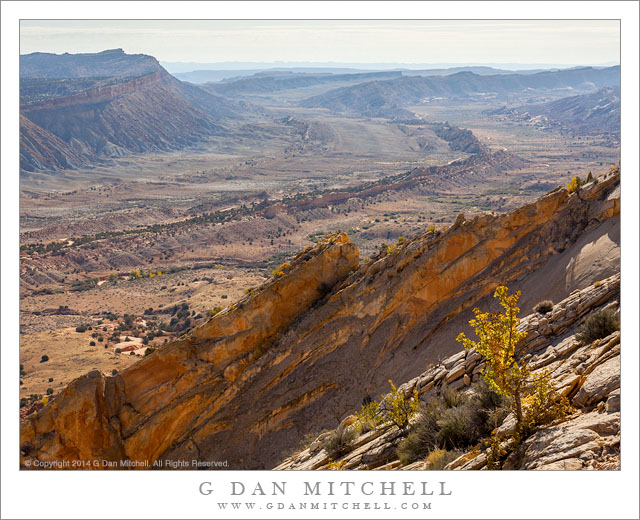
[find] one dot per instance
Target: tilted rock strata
(166, 397)
(589, 375)
(249, 384)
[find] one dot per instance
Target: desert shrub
(423, 436)
(575, 184)
(49, 391)
(336, 465)
(543, 307)
(394, 408)
(92, 343)
(340, 441)
(438, 459)
(44, 359)
(454, 420)
(51, 380)
(118, 351)
(531, 397)
(452, 398)
(599, 325)
(81, 328)
(132, 353)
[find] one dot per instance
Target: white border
(175, 495)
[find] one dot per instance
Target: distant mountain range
(79, 109)
(382, 98)
(262, 83)
(177, 67)
(595, 113)
(231, 75)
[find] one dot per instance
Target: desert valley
(230, 265)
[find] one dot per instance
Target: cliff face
(169, 396)
(304, 351)
(91, 118)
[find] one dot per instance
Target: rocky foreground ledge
(588, 375)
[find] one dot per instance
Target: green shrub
(459, 427)
(92, 343)
(81, 328)
(543, 307)
(438, 459)
(340, 441)
(51, 380)
(599, 325)
(44, 359)
(454, 420)
(452, 398)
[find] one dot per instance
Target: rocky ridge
(125, 104)
(587, 374)
(301, 352)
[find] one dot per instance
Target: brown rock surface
(251, 382)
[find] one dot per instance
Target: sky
(561, 42)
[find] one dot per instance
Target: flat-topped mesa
(160, 400)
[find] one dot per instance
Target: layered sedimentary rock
(587, 374)
(121, 105)
(302, 352)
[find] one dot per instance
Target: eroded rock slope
(587, 374)
(303, 351)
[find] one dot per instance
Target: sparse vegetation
(438, 459)
(599, 325)
(532, 398)
(336, 465)
(543, 307)
(575, 184)
(394, 408)
(453, 421)
(44, 358)
(340, 441)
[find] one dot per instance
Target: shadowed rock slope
(588, 374)
(303, 351)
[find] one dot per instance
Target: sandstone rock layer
(302, 353)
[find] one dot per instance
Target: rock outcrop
(587, 374)
(67, 121)
(170, 397)
(304, 351)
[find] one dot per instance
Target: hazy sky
(574, 42)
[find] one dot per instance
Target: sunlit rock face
(300, 353)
